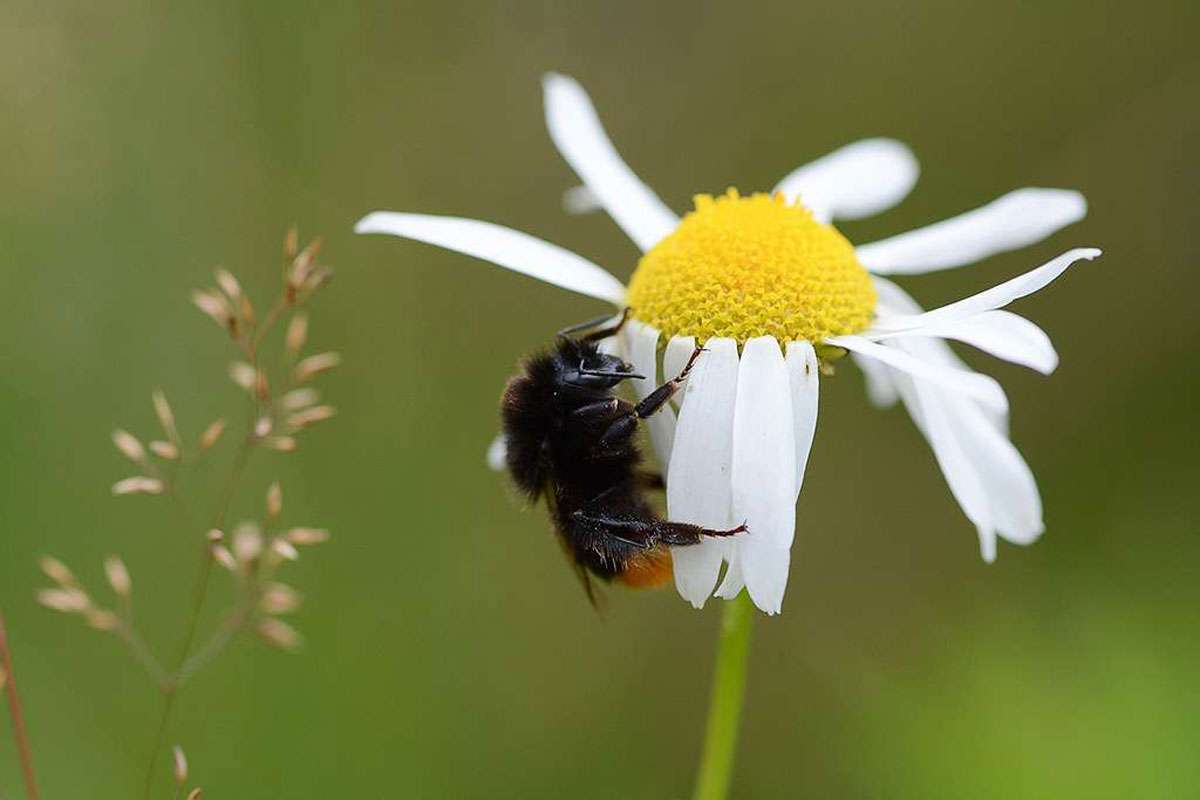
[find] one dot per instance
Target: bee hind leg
(681, 533)
(646, 533)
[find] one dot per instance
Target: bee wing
(590, 588)
(594, 595)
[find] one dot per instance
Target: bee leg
(681, 533)
(596, 335)
(623, 428)
(659, 397)
(602, 411)
(606, 530)
(646, 533)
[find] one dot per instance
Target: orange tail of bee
(647, 570)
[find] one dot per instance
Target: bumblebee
(571, 441)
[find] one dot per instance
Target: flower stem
(18, 720)
(725, 704)
(171, 685)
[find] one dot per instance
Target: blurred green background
(449, 652)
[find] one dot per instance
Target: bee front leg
(659, 397)
(602, 410)
(624, 427)
(602, 333)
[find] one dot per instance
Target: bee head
(584, 365)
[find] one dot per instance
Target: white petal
(854, 181)
(960, 473)
(764, 445)
(678, 351)
(580, 200)
(803, 370)
(765, 570)
(642, 346)
(506, 247)
(734, 581)
(881, 390)
(972, 384)
(894, 300)
(1016, 220)
(612, 346)
(1003, 334)
(696, 569)
(987, 544)
(989, 299)
(764, 471)
(497, 453)
(1012, 490)
(987, 475)
(698, 477)
(579, 136)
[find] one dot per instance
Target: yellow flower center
(742, 267)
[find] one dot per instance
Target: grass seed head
(100, 619)
(284, 549)
(310, 416)
(313, 366)
(129, 445)
(118, 576)
(262, 427)
(58, 572)
(221, 555)
(306, 537)
(297, 333)
(243, 375)
(181, 764)
(139, 484)
(280, 444)
(66, 601)
(212, 433)
(166, 417)
(278, 633)
(274, 500)
(291, 243)
(164, 450)
(298, 399)
(247, 542)
(229, 284)
(279, 598)
(216, 307)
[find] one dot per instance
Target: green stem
(725, 704)
(20, 735)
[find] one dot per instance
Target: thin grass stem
(20, 733)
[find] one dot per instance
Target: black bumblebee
(571, 440)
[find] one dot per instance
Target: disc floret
(743, 267)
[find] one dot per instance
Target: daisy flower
(775, 294)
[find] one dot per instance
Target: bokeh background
(449, 652)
